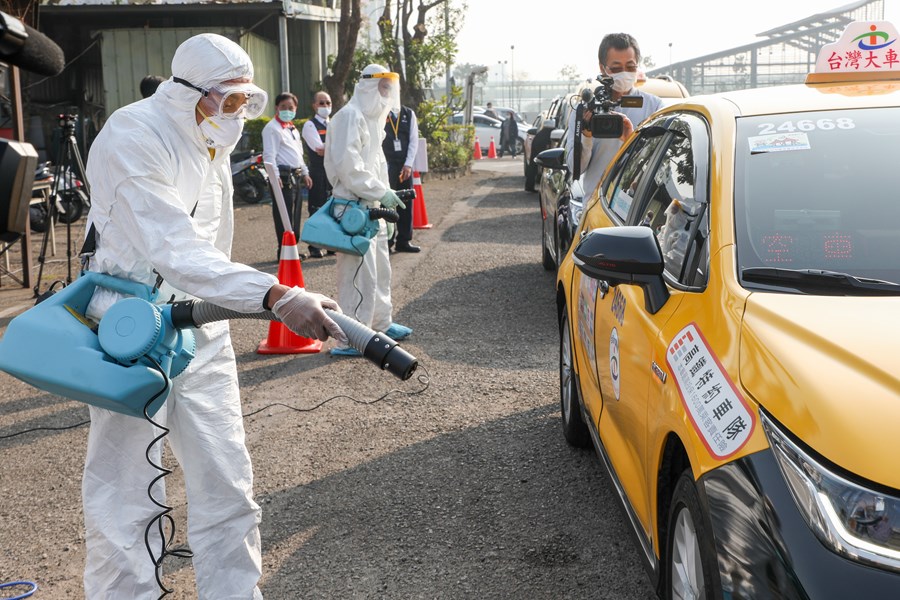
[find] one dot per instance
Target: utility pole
(447, 33)
(512, 77)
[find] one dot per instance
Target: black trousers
(321, 189)
(404, 231)
(291, 189)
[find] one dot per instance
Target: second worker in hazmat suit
(357, 169)
(161, 204)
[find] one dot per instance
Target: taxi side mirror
(551, 159)
(625, 255)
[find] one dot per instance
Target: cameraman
(620, 59)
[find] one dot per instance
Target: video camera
(604, 123)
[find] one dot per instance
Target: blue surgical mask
(286, 115)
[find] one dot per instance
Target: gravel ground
(455, 486)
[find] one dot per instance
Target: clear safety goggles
(232, 100)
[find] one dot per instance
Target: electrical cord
(163, 520)
(13, 584)
(423, 379)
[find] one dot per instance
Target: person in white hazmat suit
(357, 170)
(162, 203)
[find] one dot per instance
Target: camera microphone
(30, 50)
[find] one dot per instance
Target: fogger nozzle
(376, 346)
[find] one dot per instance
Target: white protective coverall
(357, 170)
(147, 168)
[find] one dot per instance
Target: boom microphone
(29, 49)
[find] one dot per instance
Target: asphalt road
(455, 486)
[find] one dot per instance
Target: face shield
(230, 100)
(388, 88)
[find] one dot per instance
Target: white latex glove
(303, 313)
(391, 200)
(390, 229)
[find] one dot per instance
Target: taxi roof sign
(866, 50)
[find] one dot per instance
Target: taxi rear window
(820, 190)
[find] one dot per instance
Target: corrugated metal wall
(266, 65)
(129, 55)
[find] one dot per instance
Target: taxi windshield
(819, 191)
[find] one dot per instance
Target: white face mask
(323, 111)
(624, 82)
(220, 133)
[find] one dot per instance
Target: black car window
(620, 194)
(674, 203)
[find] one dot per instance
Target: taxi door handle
(603, 288)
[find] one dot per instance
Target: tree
(570, 74)
(409, 49)
(348, 32)
(648, 62)
(460, 72)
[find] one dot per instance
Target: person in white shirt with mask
(283, 150)
(620, 58)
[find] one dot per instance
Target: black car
(558, 111)
(562, 202)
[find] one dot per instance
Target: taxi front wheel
(691, 567)
(574, 429)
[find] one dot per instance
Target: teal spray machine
(138, 346)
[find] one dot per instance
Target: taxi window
(631, 167)
(674, 202)
(818, 190)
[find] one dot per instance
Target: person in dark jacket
(509, 134)
(313, 134)
(401, 142)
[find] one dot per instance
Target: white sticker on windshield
(779, 142)
(717, 410)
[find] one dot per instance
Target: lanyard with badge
(395, 126)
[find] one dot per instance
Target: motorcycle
(70, 200)
(248, 175)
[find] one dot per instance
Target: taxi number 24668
(806, 125)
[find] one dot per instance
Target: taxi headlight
(859, 523)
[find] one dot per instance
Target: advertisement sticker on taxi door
(717, 410)
(587, 300)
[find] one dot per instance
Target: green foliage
(449, 146)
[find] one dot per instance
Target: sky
(549, 34)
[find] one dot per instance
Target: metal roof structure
(785, 55)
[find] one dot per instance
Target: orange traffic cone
(477, 152)
(282, 340)
(420, 215)
(492, 150)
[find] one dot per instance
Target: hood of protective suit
(366, 97)
(204, 60)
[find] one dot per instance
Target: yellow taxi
(730, 333)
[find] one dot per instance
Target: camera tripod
(69, 166)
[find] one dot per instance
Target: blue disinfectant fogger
(138, 346)
(346, 225)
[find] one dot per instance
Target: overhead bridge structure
(783, 56)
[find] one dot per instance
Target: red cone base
(420, 215)
(282, 340)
